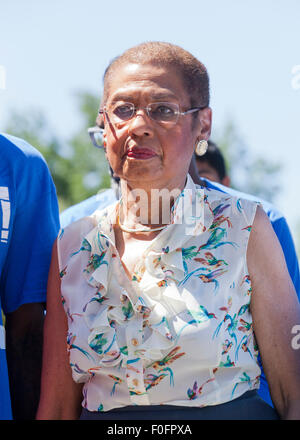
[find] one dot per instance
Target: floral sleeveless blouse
(180, 331)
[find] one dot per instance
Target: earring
(201, 147)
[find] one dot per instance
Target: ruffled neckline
(152, 296)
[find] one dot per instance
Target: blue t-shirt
(279, 223)
(29, 224)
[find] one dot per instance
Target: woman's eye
(164, 110)
(123, 111)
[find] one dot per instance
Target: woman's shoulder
(77, 228)
(73, 236)
(86, 224)
(214, 195)
(220, 203)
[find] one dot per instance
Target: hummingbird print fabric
(179, 330)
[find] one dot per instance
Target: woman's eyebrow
(162, 96)
(121, 97)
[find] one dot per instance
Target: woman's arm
(275, 311)
(60, 396)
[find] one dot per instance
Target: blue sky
(50, 49)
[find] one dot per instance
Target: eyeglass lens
(98, 138)
(158, 111)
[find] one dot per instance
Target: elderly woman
(158, 305)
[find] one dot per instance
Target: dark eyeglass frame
(93, 131)
(135, 109)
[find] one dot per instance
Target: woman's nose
(140, 124)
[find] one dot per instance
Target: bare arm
(275, 310)
(60, 395)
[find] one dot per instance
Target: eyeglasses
(161, 112)
(96, 135)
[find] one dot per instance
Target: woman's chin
(141, 170)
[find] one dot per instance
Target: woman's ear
(205, 119)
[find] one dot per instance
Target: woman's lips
(140, 153)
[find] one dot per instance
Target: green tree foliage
(78, 169)
(248, 173)
(89, 171)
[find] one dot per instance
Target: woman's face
(145, 153)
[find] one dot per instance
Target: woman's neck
(141, 206)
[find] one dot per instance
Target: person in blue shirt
(207, 170)
(29, 224)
